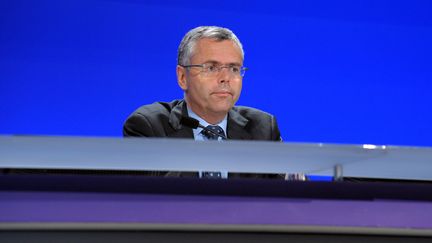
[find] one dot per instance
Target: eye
(211, 68)
(235, 69)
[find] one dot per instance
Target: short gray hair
(187, 45)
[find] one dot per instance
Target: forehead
(225, 51)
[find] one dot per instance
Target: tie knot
(216, 130)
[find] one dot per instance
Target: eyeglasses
(210, 69)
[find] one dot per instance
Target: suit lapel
(236, 126)
(178, 130)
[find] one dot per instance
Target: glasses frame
(218, 68)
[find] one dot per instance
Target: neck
(210, 117)
(213, 119)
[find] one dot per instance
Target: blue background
(331, 71)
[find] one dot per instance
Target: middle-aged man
(210, 72)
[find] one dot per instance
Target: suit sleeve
(276, 136)
(137, 125)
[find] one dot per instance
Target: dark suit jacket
(162, 119)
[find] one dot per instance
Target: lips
(222, 93)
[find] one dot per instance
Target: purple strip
(140, 208)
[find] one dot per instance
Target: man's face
(212, 95)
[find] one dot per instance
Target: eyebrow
(218, 63)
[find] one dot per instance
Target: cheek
(199, 89)
(238, 87)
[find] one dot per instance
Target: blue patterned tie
(216, 129)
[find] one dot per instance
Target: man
(210, 72)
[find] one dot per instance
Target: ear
(181, 77)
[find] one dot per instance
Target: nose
(224, 75)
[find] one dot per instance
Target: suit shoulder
(259, 124)
(150, 120)
(250, 112)
(160, 108)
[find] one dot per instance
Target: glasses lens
(213, 70)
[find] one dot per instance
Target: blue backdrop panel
(331, 71)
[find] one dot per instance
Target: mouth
(222, 93)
